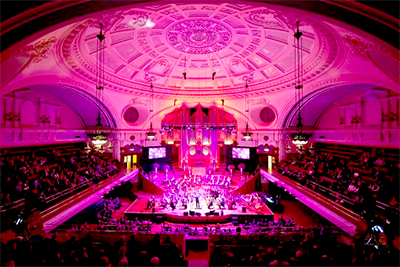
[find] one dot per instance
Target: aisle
(302, 215)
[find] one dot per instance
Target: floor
(302, 215)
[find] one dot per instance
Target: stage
(239, 214)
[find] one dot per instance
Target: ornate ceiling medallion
(199, 36)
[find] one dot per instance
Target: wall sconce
(8, 116)
(58, 121)
(342, 120)
(175, 102)
(17, 117)
(385, 117)
(45, 119)
(390, 117)
(213, 75)
(394, 116)
(355, 119)
(184, 75)
(222, 101)
(11, 117)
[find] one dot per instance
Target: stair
(221, 170)
(176, 169)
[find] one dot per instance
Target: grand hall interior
(200, 133)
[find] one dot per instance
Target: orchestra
(198, 192)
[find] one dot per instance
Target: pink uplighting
(200, 133)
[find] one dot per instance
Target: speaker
(244, 209)
(238, 229)
(191, 213)
(185, 213)
(235, 223)
(211, 212)
(222, 213)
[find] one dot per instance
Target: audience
(39, 251)
(39, 177)
(344, 176)
(307, 249)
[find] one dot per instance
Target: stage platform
(191, 215)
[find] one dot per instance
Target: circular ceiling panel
(198, 36)
(217, 46)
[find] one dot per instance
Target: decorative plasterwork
(359, 47)
(139, 101)
(198, 36)
(199, 40)
(42, 49)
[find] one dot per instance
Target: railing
(68, 191)
(21, 202)
(391, 209)
(148, 228)
(13, 205)
(317, 197)
(332, 193)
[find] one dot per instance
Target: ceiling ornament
(132, 52)
(42, 49)
(139, 101)
(137, 20)
(199, 36)
(260, 101)
(238, 67)
(358, 48)
(162, 67)
(265, 18)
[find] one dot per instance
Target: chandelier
(299, 138)
(151, 134)
(99, 138)
(247, 134)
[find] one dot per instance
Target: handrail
(388, 206)
(311, 194)
(342, 196)
(13, 205)
(67, 191)
(21, 202)
(212, 231)
(385, 206)
(72, 189)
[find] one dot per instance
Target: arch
(316, 103)
(29, 113)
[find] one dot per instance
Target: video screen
(157, 152)
(240, 152)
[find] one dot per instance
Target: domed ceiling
(236, 42)
(219, 46)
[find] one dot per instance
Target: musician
(151, 203)
(221, 202)
(184, 202)
(173, 204)
(233, 203)
(164, 201)
(197, 200)
(210, 202)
